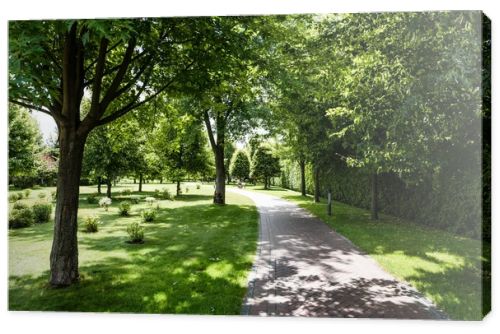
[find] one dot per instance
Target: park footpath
(304, 268)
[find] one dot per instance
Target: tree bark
(64, 253)
(374, 203)
(302, 164)
(218, 149)
(178, 189)
(316, 185)
(108, 190)
(140, 182)
(99, 181)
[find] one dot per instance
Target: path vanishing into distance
(304, 268)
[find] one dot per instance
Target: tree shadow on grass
(186, 265)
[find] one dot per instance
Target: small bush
(135, 199)
(19, 196)
(41, 212)
(92, 199)
(27, 193)
(150, 200)
(148, 215)
(124, 208)
(22, 217)
(105, 202)
(13, 198)
(187, 190)
(126, 192)
(135, 232)
(42, 195)
(19, 206)
(37, 186)
(198, 186)
(91, 224)
(165, 194)
(53, 194)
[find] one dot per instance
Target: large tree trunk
(316, 184)
(140, 182)
(374, 204)
(302, 164)
(64, 254)
(178, 189)
(220, 177)
(99, 182)
(108, 184)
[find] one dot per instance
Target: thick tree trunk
(374, 204)
(140, 182)
(178, 189)
(220, 177)
(316, 184)
(302, 164)
(108, 190)
(64, 254)
(99, 182)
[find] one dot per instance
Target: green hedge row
(450, 201)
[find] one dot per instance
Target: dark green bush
(91, 224)
(27, 193)
(42, 195)
(148, 215)
(124, 208)
(135, 232)
(92, 199)
(13, 198)
(19, 206)
(165, 194)
(41, 212)
(22, 217)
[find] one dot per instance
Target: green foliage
(27, 193)
(19, 206)
(21, 216)
(124, 208)
(240, 165)
(148, 215)
(42, 212)
(264, 165)
(42, 195)
(135, 232)
(13, 197)
(126, 192)
(92, 198)
(135, 199)
(91, 224)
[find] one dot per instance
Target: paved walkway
(304, 268)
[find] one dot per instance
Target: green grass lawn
(444, 267)
(195, 259)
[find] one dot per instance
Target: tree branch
(30, 106)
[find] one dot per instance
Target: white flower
(150, 200)
(105, 202)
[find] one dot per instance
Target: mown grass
(195, 258)
(444, 267)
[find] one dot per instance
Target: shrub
(105, 202)
(148, 215)
(19, 195)
(13, 198)
(187, 190)
(198, 186)
(92, 199)
(135, 232)
(42, 195)
(53, 194)
(27, 193)
(150, 200)
(124, 208)
(19, 206)
(165, 194)
(41, 212)
(37, 186)
(22, 217)
(126, 192)
(91, 224)
(135, 199)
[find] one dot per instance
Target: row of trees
(382, 93)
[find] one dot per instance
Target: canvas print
(328, 165)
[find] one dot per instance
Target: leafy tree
(52, 64)
(228, 154)
(240, 165)
(24, 146)
(265, 165)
